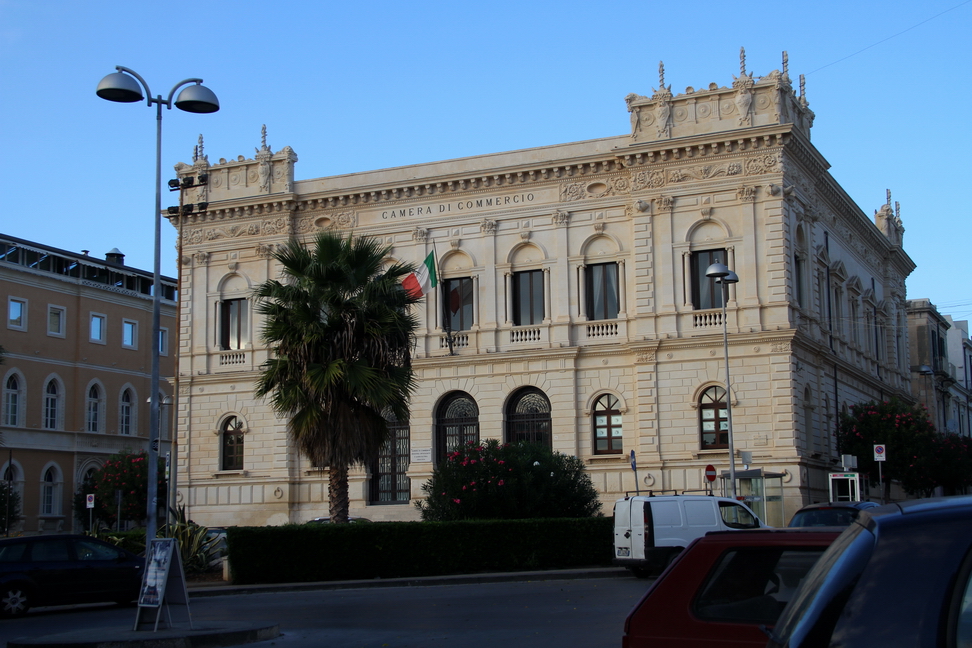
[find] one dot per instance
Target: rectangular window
(528, 297)
(129, 334)
(97, 328)
(798, 281)
(233, 332)
(457, 304)
(163, 341)
(706, 293)
(56, 316)
(17, 314)
(602, 291)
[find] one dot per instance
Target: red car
(723, 587)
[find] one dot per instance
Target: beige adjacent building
(77, 335)
(573, 307)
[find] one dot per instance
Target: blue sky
(370, 85)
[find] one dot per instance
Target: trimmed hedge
(322, 552)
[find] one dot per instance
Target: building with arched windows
(75, 373)
(573, 307)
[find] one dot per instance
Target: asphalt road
(572, 612)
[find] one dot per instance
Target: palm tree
(340, 330)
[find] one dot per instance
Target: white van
(650, 530)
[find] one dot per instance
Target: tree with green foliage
(917, 456)
(125, 472)
(340, 329)
(497, 481)
(9, 507)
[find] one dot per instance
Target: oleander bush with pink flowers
(512, 481)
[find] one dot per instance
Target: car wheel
(14, 600)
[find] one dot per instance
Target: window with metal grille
(456, 423)
(607, 425)
(389, 481)
(528, 418)
(713, 419)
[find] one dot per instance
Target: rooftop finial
(201, 154)
(195, 153)
(263, 136)
(803, 87)
(889, 197)
(661, 74)
(742, 61)
(786, 65)
(897, 210)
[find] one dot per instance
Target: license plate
(623, 552)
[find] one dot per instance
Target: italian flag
(423, 280)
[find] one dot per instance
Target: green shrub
(490, 481)
(9, 507)
(309, 553)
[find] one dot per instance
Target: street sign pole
(880, 456)
(634, 467)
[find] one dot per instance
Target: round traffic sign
(710, 473)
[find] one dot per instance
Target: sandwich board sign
(164, 581)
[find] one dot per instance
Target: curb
(201, 590)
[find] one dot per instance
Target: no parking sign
(879, 452)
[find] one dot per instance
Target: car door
(54, 572)
(108, 572)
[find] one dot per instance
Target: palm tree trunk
(337, 493)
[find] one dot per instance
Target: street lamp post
(122, 87)
(724, 276)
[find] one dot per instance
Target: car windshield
(823, 598)
(825, 517)
(737, 516)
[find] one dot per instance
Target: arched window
(389, 481)
(231, 444)
(93, 411)
(456, 423)
(528, 417)
(713, 418)
(12, 400)
(51, 492)
(607, 425)
(52, 405)
(126, 413)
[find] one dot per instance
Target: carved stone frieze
(275, 226)
(420, 235)
(265, 250)
(561, 218)
(654, 179)
(201, 258)
(488, 226)
(232, 231)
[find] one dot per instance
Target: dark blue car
(899, 575)
(64, 570)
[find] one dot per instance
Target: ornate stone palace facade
(573, 307)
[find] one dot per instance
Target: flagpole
(446, 323)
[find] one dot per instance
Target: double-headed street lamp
(724, 276)
(121, 86)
